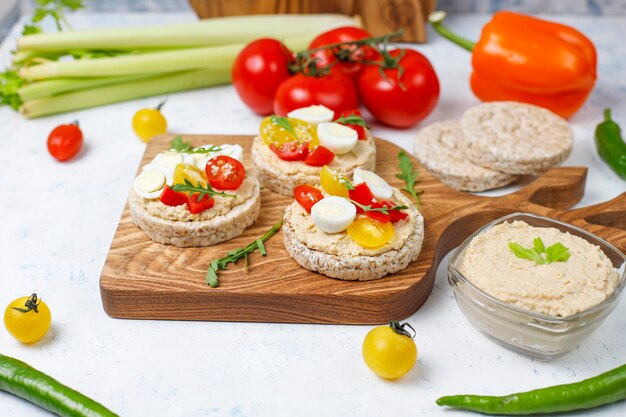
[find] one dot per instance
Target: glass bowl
(528, 332)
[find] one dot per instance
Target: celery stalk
(209, 32)
(148, 63)
(157, 85)
(57, 86)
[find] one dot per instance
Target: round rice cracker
(353, 268)
(516, 138)
(185, 234)
(442, 150)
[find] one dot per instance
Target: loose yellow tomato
(389, 351)
(189, 172)
(331, 182)
(273, 132)
(27, 319)
(148, 123)
(370, 233)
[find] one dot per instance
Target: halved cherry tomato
(196, 206)
(224, 172)
(273, 133)
(172, 198)
(370, 233)
(307, 195)
(360, 130)
(319, 157)
(331, 182)
(291, 151)
(65, 141)
(190, 172)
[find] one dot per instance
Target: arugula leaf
(10, 83)
(554, 253)
(346, 182)
(284, 123)
(384, 210)
(353, 120)
(180, 146)
(191, 189)
(409, 175)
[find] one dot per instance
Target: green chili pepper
(606, 388)
(610, 145)
(32, 385)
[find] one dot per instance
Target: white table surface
(58, 220)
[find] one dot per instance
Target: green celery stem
(436, 20)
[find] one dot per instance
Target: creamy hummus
(557, 289)
(180, 213)
(363, 152)
(342, 244)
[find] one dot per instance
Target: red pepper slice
(378, 215)
(320, 156)
(362, 195)
(291, 151)
(196, 206)
(307, 195)
(172, 198)
(395, 215)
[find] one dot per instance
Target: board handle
(558, 188)
(606, 220)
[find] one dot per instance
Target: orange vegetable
(522, 58)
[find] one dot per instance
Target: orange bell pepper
(522, 58)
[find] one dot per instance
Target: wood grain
(146, 280)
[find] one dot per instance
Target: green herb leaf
(384, 210)
(554, 253)
(10, 83)
(211, 276)
(346, 182)
(180, 146)
(284, 123)
(352, 120)
(409, 175)
(261, 246)
(191, 189)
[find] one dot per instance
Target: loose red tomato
(319, 157)
(333, 91)
(360, 130)
(196, 206)
(291, 151)
(400, 99)
(172, 198)
(347, 62)
(224, 172)
(257, 72)
(307, 195)
(65, 141)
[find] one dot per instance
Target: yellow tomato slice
(330, 181)
(273, 133)
(189, 172)
(370, 233)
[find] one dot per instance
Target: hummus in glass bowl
(536, 285)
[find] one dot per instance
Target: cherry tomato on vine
(27, 319)
(333, 91)
(65, 141)
(147, 123)
(389, 351)
(400, 98)
(225, 173)
(343, 58)
(307, 195)
(257, 72)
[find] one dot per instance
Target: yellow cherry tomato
(331, 182)
(272, 131)
(389, 351)
(27, 319)
(148, 123)
(370, 233)
(189, 172)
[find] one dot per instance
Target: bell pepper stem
(436, 19)
(607, 115)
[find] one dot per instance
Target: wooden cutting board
(146, 280)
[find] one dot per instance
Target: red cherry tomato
(385, 98)
(360, 130)
(196, 206)
(347, 66)
(320, 156)
(224, 172)
(257, 72)
(172, 198)
(307, 195)
(291, 151)
(65, 141)
(335, 92)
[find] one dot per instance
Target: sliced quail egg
(312, 114)
(150, 182)
(333, 214)
(378, 186)
(338, 138)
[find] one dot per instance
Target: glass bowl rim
(533, 314)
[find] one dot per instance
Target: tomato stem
(161, 104)
(436, 19)
(401, 329)
(31, 305)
